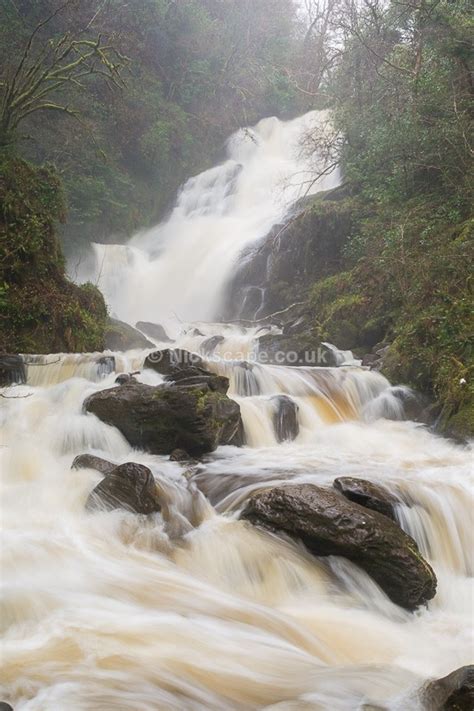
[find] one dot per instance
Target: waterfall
(113, 610)
(181, 266)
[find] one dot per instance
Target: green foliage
(199, 69)
(42, 311)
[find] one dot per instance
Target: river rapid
(112, 611)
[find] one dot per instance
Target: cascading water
(192, 608)
(182, 266)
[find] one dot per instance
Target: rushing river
(111, 611)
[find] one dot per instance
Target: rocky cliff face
(283, 266)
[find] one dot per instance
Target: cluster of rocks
(190, 414)
(189, 411)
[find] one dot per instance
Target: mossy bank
(41, 310)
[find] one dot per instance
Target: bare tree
(44, 71)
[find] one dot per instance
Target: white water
(181, 266)
(195, 610)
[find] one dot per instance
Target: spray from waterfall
(181, 267)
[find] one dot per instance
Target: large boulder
(185, 368)
(12, 370)
(120, 336)
(366, 493)
(129, 486)
(90, 461)
(154, 330)
(329, 524)
(160, 419)
(454, 692)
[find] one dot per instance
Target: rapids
(111, 611)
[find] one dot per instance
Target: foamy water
(192, 609)
(118, 611)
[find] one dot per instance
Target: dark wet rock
(329, 524)
(185, 369)
(238, 439)
(180, 455)
(245, 378)
(170, 361)
(5, 707)
(369, 360)
(12, 370)
(454, 692)
(154, 330)
(120, 336)
(279, 269)
(129, 486)
(160, 419)
(285, 419)
(196, 377)
(123, 378)
(90, 461)
(196, 332)
(208, 346)
(105, 366)
(366, 493)
(416, 407)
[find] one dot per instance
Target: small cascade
(59, 367)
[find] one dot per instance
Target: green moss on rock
(41, 310)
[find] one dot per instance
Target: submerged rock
(366, 493)
(123, 378)
(180, 455)
(105, 366)
(160, 419)
(12, 370)
(329, 524)
(285, 419)
(208, 346)
(90, 461)
(120, 336)
(129, 486)
(454, 692)
(154, 330)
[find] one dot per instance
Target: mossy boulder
(160, 419)
(120, 336)
(328, 524)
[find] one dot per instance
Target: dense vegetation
(157, 87)
(41, 311)
(402, 93)
(190, 73)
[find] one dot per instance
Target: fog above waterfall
(180, 267)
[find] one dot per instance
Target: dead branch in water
(270, 316)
